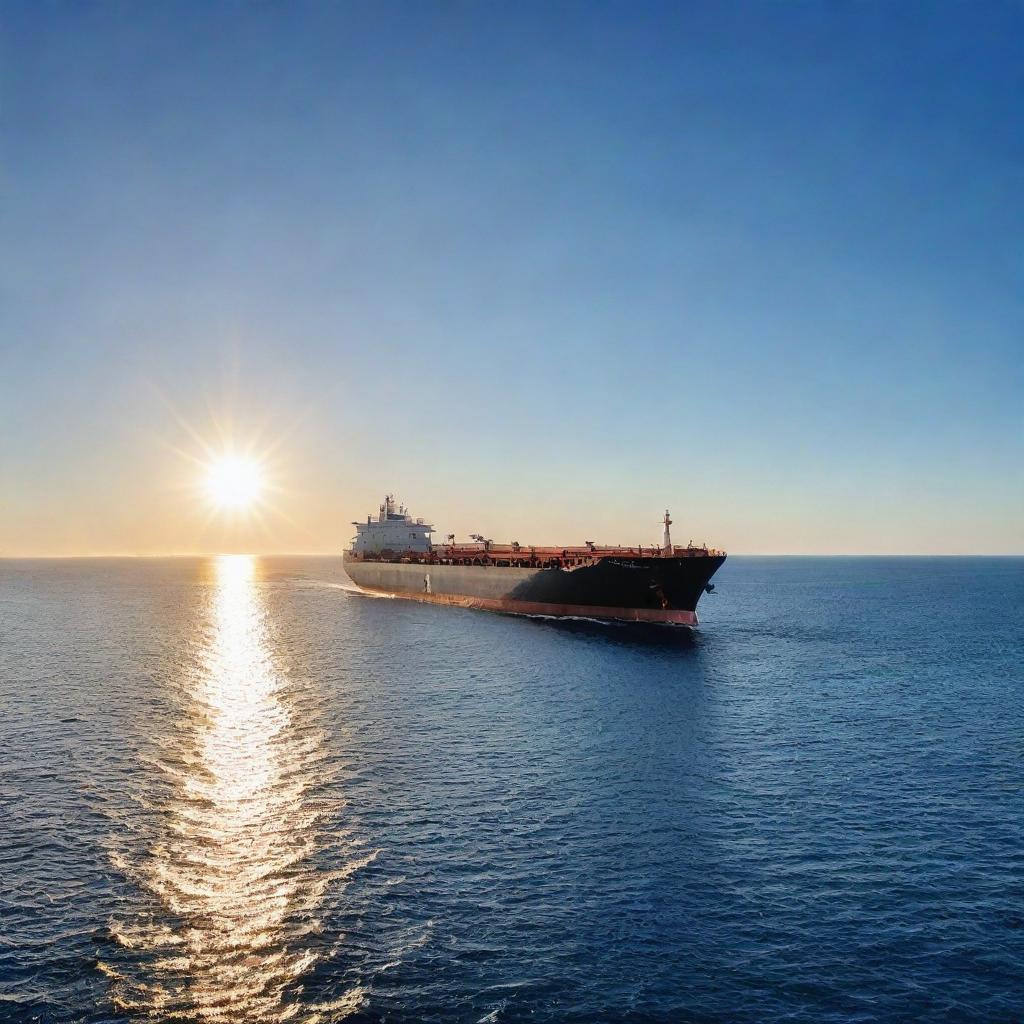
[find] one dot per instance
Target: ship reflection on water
(230, 863)
(639, 635)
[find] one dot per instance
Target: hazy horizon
(331, 554)
(542, 272)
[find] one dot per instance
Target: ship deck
(532, 557)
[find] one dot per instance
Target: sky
(542, 270)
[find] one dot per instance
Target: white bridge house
(392, 530)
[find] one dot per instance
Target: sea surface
(232, 790)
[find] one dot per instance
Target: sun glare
(234, 482)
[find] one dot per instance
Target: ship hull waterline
(663, 591)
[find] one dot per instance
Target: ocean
(232, 790)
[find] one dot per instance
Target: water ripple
(228, 869)
(234, 791)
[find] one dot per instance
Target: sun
(234, 482)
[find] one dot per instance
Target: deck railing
(522, 556)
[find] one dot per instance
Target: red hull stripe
(500, 604)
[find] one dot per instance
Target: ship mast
(666, 545)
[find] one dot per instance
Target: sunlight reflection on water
(231, 863)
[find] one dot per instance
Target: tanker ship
(392, 553)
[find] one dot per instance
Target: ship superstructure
(393, 529)
(393, 553)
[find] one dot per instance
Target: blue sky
(541, 269)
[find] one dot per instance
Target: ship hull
(657, 589)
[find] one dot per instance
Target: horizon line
(330, 554)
